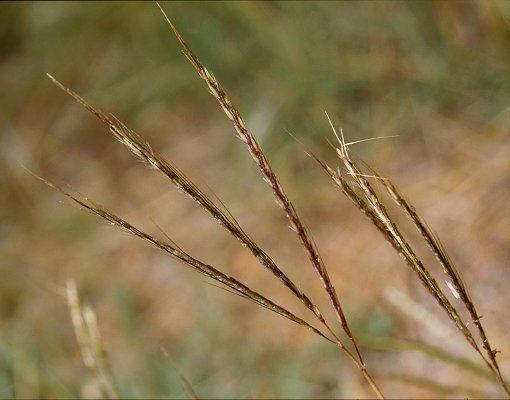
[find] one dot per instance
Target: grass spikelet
(370, 204)
(270, 177)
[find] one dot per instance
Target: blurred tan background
(434, 73)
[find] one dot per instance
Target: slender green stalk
(186, 384)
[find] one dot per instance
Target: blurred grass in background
(434, 73)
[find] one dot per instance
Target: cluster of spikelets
(352, 179)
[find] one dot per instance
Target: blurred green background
(434, 73)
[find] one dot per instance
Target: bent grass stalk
(371, 206)
(211, 272)
(270, 177)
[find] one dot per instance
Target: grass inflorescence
(352, 179)
(355, 185)
(144, 151)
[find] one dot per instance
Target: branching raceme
(353, 183)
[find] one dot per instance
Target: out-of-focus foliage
(435, 73)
